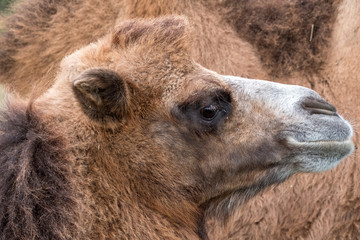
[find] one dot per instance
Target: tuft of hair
(38, 194)
(290, 36)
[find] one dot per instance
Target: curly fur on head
(36, 181)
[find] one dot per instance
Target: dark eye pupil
(209, 112)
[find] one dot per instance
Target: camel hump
(35, 180)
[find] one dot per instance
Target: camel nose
(318, 106)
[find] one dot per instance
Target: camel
(310, 43)
(135, 140)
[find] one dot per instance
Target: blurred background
(4, 5)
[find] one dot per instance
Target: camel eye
(208, 113)
(204, 112)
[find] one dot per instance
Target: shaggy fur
(42, 195)
(290, 36)
(322, 206)
(33, 32)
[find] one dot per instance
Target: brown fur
(36, 22)
(53, 36)
(42, 192)
(310, 207)
(281, 31)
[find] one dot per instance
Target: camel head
(182, 130)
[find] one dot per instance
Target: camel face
(217, 134)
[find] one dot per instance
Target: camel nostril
(318, 106)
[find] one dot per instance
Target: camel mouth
(320, 143)
(318, 156)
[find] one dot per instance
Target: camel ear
(102, 94)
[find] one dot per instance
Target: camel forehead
(139, 53)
